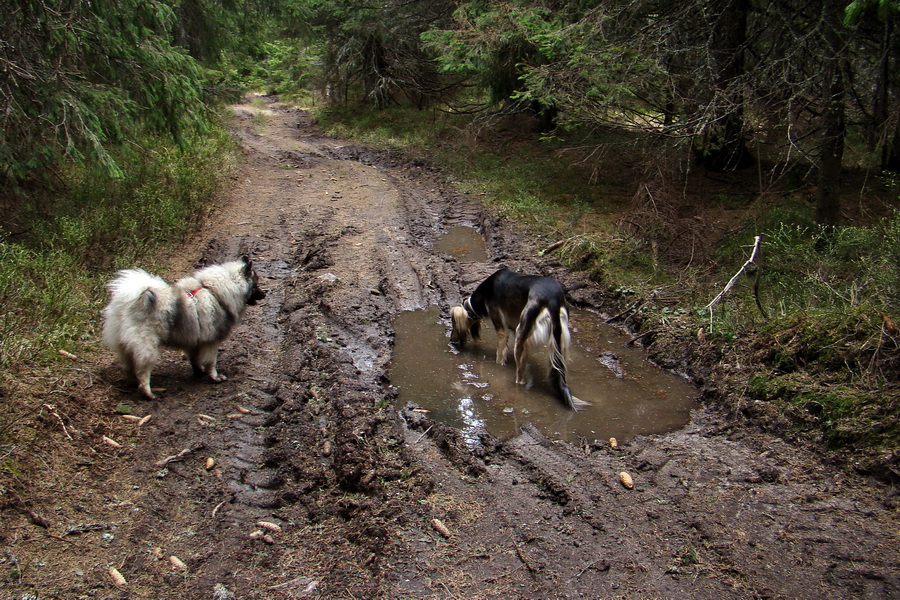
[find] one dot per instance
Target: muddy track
(305, 435)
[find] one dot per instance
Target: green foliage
(493, 44)
(575, 59)
(285, 68)
(51, 277)
(854, 11)
(109, 149)
(81, 80)
(161, 199)
(374, 50)
(592, 79)
(846, 416)
(44, 295)
(805, 266)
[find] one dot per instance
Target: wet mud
(322, 486)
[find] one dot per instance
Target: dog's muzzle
(256, 294)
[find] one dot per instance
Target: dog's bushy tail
(139, 299)
(560, 339)
(132, 284)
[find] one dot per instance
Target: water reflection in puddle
(469, 391)
(463, 243)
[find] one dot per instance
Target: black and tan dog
(532, 306)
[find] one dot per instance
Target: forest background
(657, 145)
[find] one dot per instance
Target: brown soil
(304, 435)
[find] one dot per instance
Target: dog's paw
(217, 378)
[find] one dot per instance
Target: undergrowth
(58, 248)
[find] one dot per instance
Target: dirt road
(319, 488)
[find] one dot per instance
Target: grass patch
(52, 275)
(805, 267)
(846, 416)
(47, 300)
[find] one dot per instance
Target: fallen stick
(174, 457)
(309, 583)
(552, 247)
(640, 336)
(423, 435)
(756, 243)
(559, 243)
(52, 410)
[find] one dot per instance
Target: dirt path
(304, 435)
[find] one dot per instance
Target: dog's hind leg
(203, 360)
(142, 365)
(502, 344)
(524, 330)
(127, 363)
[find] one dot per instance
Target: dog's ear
(475, 330)
(248, 264)
(460, 326)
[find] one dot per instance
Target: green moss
(847, 417)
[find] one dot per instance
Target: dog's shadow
(171, 377)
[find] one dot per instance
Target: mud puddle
(467, 390)
(463, 243)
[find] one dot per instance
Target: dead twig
(444, 585)
(52, 410)
(560, 243)
(424, 434)
(643, 335)
(176, 457)
(553, 247)
(756, 243)
(19, 504)
(309, 584)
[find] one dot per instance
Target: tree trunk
(831, 153)
(724, 148)
(828, 206)
(890, 152)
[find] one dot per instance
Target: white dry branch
(756, 243)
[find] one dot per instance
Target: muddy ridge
(321, 488)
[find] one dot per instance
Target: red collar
(195, 292)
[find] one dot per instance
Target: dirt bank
(304, 438)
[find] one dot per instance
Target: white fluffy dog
(195, 314)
